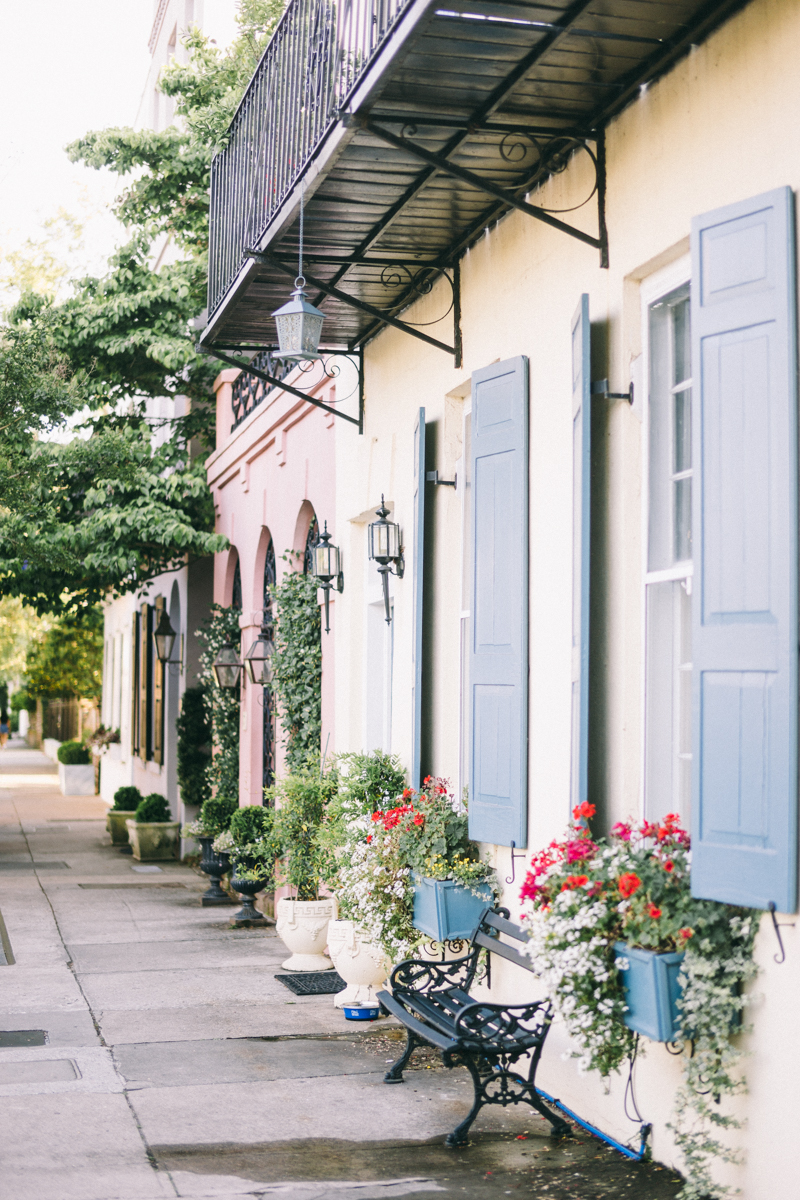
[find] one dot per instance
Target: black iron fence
(248, 390)
(317, 55)
(60, 719)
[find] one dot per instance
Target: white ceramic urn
(302, 926)
(362, 965)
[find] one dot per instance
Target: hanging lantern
(258, 660)
(384, 548)
(299, 326)
(164, 637)
(226, 667)
(326, 567)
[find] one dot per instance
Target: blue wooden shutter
(581, 533)
(744, 520)
(498, 659)
(419, 577)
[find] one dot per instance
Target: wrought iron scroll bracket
(514, 856)
(777, 926)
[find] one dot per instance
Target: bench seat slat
(427, 1033)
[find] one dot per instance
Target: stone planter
(248, 889)
(652, 992)
(303, 928)
(76, 780)
(213, 865)
(362, 965)
(446, 910)
(116, 824)
(153, 839)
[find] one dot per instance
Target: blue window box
(446, 910)
(652, 992)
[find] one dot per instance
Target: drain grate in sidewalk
(34, 866)
(313, 983)
(22, 1037)
(136, 884)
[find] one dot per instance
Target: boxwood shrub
(74, 754)
(153, 808)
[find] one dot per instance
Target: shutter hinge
(433, 477)
(600, 388)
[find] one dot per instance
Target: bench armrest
(421, 975)
(504, 1024)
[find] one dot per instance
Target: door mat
(23, 1037)
(135, 884)
(313, 983)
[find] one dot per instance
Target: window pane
(683, 430)
(683, 519)
(680, 326)
(668, 747)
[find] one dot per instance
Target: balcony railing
(317, 55)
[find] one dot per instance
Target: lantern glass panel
(326, 561)
(226, 667)
(258, 661)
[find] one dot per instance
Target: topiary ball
(127, 799)
(74, 754)
(216, 813)
(153, 809)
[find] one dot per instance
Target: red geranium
(628, 884)
(574, 881)
(653, 911)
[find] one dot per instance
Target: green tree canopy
(68, 661)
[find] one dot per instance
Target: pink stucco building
(273, 480)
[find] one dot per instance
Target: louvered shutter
(136, 681)
(498, 659)
(158, 690)
(581, 533)
(419, 577)
(145, 628)
(744, 519)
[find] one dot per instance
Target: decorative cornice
(157, 23)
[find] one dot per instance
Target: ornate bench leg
(560, 1128)
(395, 1072)
(460, 1135)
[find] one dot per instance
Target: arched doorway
(268, 773)
(236, 594)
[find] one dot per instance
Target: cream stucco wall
(716, 130)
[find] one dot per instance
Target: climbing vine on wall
(194, 747)
(297, 665)
(222, 704)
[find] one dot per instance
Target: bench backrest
(494, 923)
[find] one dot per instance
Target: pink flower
(622, 830)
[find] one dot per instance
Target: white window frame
(654, 287)
(462, 469)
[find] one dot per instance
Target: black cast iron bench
(433, 1001)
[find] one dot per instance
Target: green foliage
(253, 840)
(251, 824)
(297, 666)
(367, 783)
(300, 799)
(74, 754)
(222, 704)
(153, 808)
(216, 813)
(434, 837)
(22, 699)
(68, 661)
(194, 748)
(127, 799)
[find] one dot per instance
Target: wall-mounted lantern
(164, 637)
(384, 548)
(226, 667)
(258, 660)
(326, 567)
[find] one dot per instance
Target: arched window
(312, 537)
(268, 774)
(236, 597)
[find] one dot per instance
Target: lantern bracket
(600, 388)
(433, 477)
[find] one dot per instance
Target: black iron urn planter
(214, 865)
(247, 889)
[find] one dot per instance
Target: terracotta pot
(362, 965)
(302, 926)
(115, 824)
(153, 839)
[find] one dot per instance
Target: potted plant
(75, 769)
(153, 833)
(624, 948)
(215, 817)
(302, 917)
(250, 840)
(126, 801)
(366, 782)
(452, 884)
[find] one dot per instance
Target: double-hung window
(668, 567)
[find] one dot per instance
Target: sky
(68, 66)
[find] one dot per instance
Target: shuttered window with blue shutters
(498, 658)
(744, 518)
(419, 582)
(581, 538)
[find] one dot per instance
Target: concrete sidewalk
(147, 1050)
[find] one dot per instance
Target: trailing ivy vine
(297, 665)
(222, 704)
